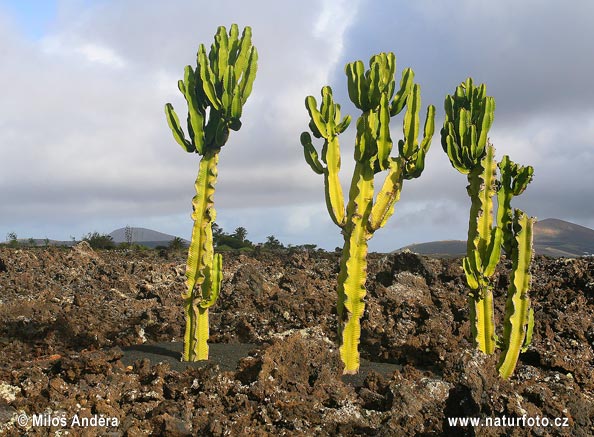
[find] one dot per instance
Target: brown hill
(552, 237)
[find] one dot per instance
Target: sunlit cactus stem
(215, 92)
(517, 242)
(469, 115)
(374, 93)
(519, 316)
(464, 137)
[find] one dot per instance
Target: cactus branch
(518, 321)
(464, 137)
(200, 261)
(215, 92)
(371, 91)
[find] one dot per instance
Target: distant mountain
(556, 237)
(552, 237)
(143, 236)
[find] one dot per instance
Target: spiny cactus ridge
(464, 138)
(215, 92)
(373, 91)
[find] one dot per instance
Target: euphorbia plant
(374, 93)
(215, 92)
(464, 137)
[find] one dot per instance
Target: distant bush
(177, 244)
(232, 242)
(99, 241)
(12, 239)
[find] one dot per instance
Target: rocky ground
(73, 320)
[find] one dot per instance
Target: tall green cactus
(517, 243)
(464, 138)
(469, 115)
(215, 92)
(519, 316)
(373, 92)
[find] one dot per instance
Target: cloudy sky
(84, 145)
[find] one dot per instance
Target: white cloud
(84, 143)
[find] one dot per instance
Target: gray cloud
(84, 144)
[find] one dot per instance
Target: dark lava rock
(88, 333)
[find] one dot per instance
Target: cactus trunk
(215, 92)
(483, 252)
(373, 93)
(464, 137)
(353, 267)
(200, 264)
(518, 314)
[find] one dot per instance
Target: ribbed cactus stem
(518, 317)
(333, 189)
(371, 91)
(353, 267)
(483, 251)
(464, 137)
(199, 275)
(215, 92)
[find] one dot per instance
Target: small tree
(215, 91)
(128, 235)
(273, 243)
(240, 233)
(12, 239)
(177, 244)
(99, 241)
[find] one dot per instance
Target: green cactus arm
(328, 108)
(212, 284)
(517, 313)
(514, 180)
(486, 119)
(375, 86)
(470, 273)
(207, 78)
(344, 124)
(366, 138)
(221, 47)
(316, 117)
(452, 150)
(310, 153)
(384, 142)
(244, 53)
(493, 252)
(178, 133)
(416, 164)
(352, 275)
(247, 82)
(357, 85)
(234, 44)
(323, 124)
(333, 189)
(411, 123)
(195, 112)
(406, 85)
(529, 330)
(228, 89)
(235, 112)
(383, 207)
